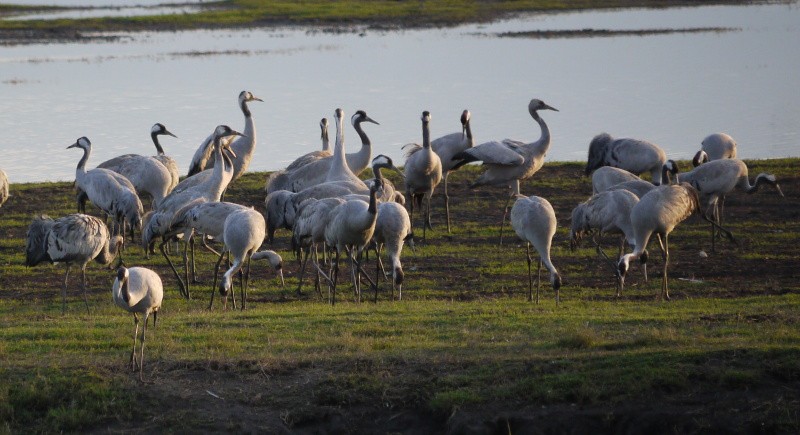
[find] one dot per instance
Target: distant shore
(341, 16)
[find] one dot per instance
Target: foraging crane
(448, 146)
(606, 176)
(243, 233)
(210, 189)
(717, 178)
(606, 212)
(242, 147)
(534, 221)
(138, 290)
(659, 212)
(3, 187)
(72, 239)
(146, 174)
(350, 227)
(714, 147)
(510, 161)
(423, 172)
(108, 190)
(338, 167)
(392, 229)
(633, 155)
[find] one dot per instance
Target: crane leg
(141, 349)
(184, 291)
(530, 277)
(447, 203)
(135, 336)
(538, 280)
(246, 282)
(214, 283)
(503, 222)
(428, 211)
(83, 288)
(335, 273)
(64, 290)
(378, 270)
(303, 264)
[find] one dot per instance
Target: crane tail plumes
(597, 152)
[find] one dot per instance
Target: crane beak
(402, 175)
(257, 99)
(170, 134)
(547, 107)
(75, 145)
(368, 119)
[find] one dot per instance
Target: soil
(250, 396)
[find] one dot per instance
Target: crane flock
(327, 206)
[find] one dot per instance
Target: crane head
(247, 96)
(159, 128)
(82, 142)
(361, 116)
(537, 104)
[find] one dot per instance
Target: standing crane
(423, 172)
(108, 190)
(138, 290)
(448, 146)
(509, 161)
(534, 221)
(72, 239)
(243, 147)
(3, 187)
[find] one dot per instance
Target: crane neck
(468, 130)
(365, 142)
(426, 135)
(544, 139)
(109, 251)
(159, 149)
(81, 169)
(339, 162)
(373, 202)
(245, 109)
(326, 143)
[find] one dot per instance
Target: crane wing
(505, 153)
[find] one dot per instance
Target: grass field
(464, 351)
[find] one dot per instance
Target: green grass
(463, 338)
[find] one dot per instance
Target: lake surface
(672, 89)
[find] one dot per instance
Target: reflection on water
(671, 89)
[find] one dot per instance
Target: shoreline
(227, 15)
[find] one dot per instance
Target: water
(671, 89)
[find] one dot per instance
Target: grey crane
(147, 175)
(534, 221)
(718, 178)
(448, 146)
(138, 290)
(243, 234)
(392, 229)
(210, 189)
(606, 176)
(714, 147)
(509, 161)
(108, 190)
(423, 172)
(633, 155)
(3, 187)
(72, 239)
(281, 179)
(313, 216)
(243, 147)
(638, 187)
(338, 167)
(157, 130)
(606, 212)
(349, 229)
(659, 212)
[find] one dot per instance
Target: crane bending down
(138, 290)
(714, 147)
(606, 212)
(534, 221)
(633, 155)
(509, 161)
(659, 212)
(72, 239)
(448, 146)
(423, 172)
(606, 176)
(243, 233)
(392, 230)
